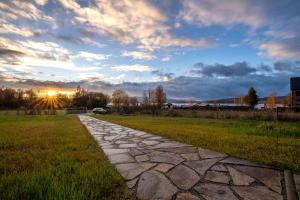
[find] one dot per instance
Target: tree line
(251, 99)
(121, 101)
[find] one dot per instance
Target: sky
(199, 49)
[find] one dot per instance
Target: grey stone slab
(127, 145)
(183, 177)
(256, 193)
(202, 166)
(219, 167)
(130, 184)
(271, 178)
(142, 158)
(154, 185)
(186, 196)
(135, 152)
(190, 156)
(232, 160)
(205, 154)
(163, 167)
(120, 158)
(180, 150)
(168, 145)
(132, 170)
(239, 178)
(114, 151)
(219, 177)
(212, 191)
(110, 138)
(150, 142)
(163, 157)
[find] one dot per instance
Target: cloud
(287, 66)
(139, 55)
(4, 53)
(134, 68)
(163, 76)
(91, 56)
(236, 69)
(284, 49)
(224, 13)
(41, 2)
(15, 10)
(8, 28)
(128, 22)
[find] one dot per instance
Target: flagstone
(154, 185)
(239, 178)
(180, 171)
(132, 170)
(271, 178)
(255, 193)
(163, 167)
(163, 157)
(202, 166)
(120, 158)
(212, 191)
(186, 196)
(219, 167)
(220, 177)
(205, 154)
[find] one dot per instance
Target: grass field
(274, 143)
(53, 157)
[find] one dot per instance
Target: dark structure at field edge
(295, 90)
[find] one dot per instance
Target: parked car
(99, 111)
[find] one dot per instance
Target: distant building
(295, 89)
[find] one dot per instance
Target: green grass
(54, 157)
(274, 143)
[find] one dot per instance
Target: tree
(80, 98)
(287, 101)
(240, 99)
(251, 99)
(133, 102)
(120, 99)
(159, 96)
(271, 100)
(97, 99)
(148, 97)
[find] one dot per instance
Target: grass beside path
(54, 157)
(276, 143)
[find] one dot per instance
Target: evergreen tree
(251, 99)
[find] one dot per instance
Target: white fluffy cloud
(91, 56)
(128, 21)
(134, 68)
(226, 13)
(140, 55)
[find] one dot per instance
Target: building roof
(295, 83)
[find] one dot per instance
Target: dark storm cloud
(236, 69)
(287, 66)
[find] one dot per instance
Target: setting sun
(51, 93)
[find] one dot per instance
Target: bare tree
(159, 96)
(148, 97)
(271, 100)
(120, 99)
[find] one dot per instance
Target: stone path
(158, 168)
